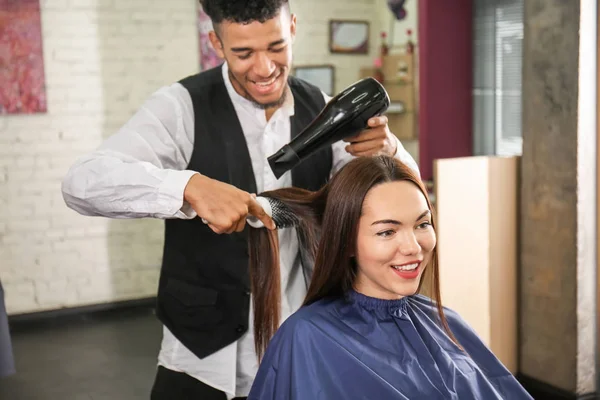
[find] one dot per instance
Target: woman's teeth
(408, 267)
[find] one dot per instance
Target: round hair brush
(278, 211)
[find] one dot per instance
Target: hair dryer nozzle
(283, 160)
(346, 114)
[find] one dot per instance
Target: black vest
(204, 286)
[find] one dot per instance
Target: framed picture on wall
(22, 72)
(322, 76)
(348, 36)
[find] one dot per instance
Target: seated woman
(365, 330)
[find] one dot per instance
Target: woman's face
(395, 241)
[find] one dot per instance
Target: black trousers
(172, 385)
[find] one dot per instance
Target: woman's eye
(385, 233)
(424, 225)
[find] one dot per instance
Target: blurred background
(495, 99)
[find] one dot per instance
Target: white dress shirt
(140, 171)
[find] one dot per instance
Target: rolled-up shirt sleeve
(139, 171)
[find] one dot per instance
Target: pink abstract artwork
(22, 82)
(208, 57)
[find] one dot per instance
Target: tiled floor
(108, 357)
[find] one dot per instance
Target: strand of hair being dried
(265, 286)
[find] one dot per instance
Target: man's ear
(216, 43)
(293, 26)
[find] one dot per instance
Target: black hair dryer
(344, 115)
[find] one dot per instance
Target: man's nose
(264, 66)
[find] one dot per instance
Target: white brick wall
(102, 59)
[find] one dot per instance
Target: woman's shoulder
(299, 328)
(460, 328)
(306, 315)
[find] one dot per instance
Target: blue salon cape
(359, 347)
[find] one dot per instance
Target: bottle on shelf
(384, 49)
(410, 45)
(378, 70)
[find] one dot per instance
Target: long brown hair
(327, 232)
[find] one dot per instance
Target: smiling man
(197, 151)
(257, 45)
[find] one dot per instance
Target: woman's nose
(409, 245)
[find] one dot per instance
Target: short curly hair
(242, 11)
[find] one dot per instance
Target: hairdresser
(196, 150)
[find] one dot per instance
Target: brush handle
(255, 222)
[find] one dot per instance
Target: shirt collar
(287, 108)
